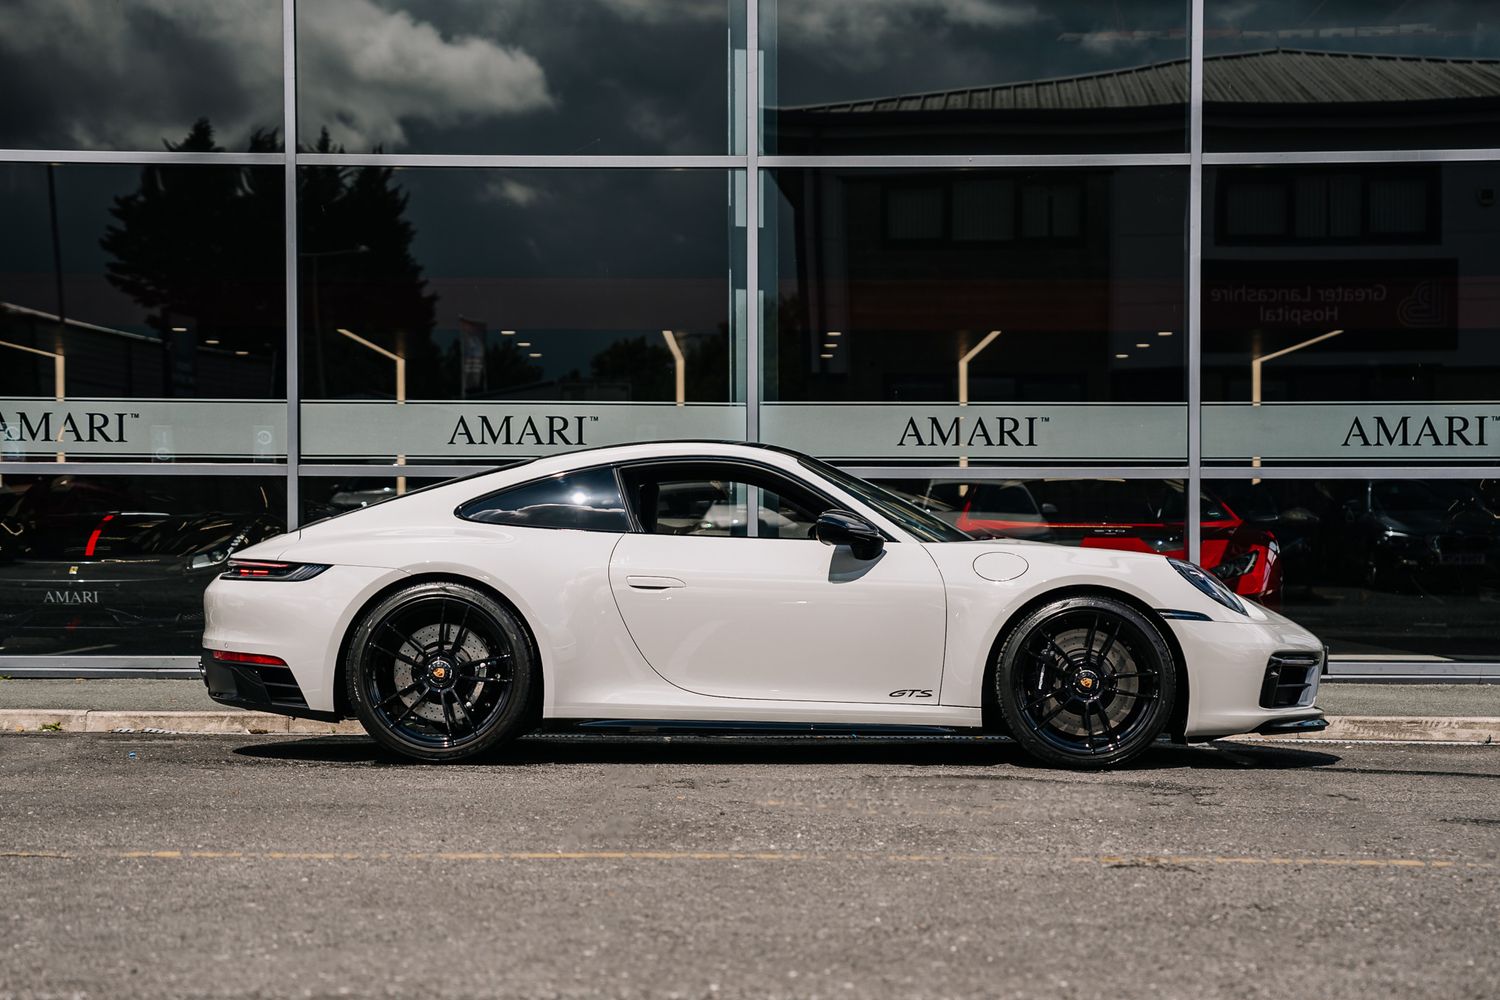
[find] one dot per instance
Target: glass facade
(1221, 285)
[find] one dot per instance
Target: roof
(1268, 76)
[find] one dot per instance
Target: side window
(588, 501)
(715, 500)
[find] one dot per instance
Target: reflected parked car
(1397, 533)
(89, 560)
(1127, 514)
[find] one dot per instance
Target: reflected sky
(586, 76)
(96, 74)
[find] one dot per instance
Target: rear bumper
(252, 687)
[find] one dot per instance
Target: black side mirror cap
(839, 527)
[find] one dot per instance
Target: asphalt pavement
(738, 867)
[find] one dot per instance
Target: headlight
(261, 569)
(1209, 585)
(1237, 567)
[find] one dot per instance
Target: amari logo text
(1408, 431)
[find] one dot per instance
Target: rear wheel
(439, 672)
(1085, 682)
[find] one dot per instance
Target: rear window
(585, 501)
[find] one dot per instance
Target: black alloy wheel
(439, 672)
(1085, 682)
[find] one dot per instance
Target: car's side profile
(730, 583)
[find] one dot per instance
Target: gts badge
(912, 693)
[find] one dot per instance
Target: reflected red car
(1130, 514)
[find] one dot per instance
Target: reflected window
(1350, 74)
(118, 565)
(716, 500)
(1393, 569)
(884, 286)
(587, 501)
(981, 77)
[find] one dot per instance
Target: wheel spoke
(406, 640)
(448, 720)
(1060, 652)
(412, 707)
(402, 693)
(442, 623)
(1109, 642)
(462, 630)
(1032, 706)
(394, 655)
(458, 704)
(483, 679)
(1104, 719)
(1088, 727)
(1088, 640)
(1061, 704)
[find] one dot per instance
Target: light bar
(256, 569)
(259, 659)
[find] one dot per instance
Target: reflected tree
(201, 250)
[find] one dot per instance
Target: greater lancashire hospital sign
(1019, 434)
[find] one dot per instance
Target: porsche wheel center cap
(441, 672)
(1087, 683)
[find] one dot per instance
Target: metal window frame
(754, 164)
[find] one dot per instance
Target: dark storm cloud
(85, 74)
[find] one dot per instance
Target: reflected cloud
(379, 69)
(127, 75)
(512, 191)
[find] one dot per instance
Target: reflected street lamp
(59, 372)
(400, 387)
(1257, 362)
(681, 364)
(963, 377)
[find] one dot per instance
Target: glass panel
(990, 76)
(589, 501)
(524, 76)
(484, 313)
(142, 312)
(1012, 315)
(118, 565)
(1350, 313)
(1351, 74)
(715, 500)
(1392, 569)
(1134, 515)
(102, 74)
(323, 497)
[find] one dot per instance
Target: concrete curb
(1347, 728)
(234, 722)
(1434, 729)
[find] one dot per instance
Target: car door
(723, 605)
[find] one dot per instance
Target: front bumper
(1228, 666)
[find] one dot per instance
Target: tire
(440, 672)
(1085, 682)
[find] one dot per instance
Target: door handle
(654, 582)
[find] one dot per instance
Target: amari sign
(1023, 434)
(159, 429)
(1352, 432)
(482, 430)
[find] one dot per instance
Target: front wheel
(439, 672)
(1085, 682)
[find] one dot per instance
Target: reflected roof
(1269, 76)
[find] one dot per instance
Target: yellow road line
(1105, 860)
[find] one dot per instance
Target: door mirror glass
(839, 527)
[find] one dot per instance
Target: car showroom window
(588, 501)
(715, 500)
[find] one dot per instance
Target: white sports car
(731, 583)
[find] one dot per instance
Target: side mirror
(839, 527)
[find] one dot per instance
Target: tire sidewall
(1010, 708)
(507, 727)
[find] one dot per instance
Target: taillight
(259, 659)
(257, 569)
